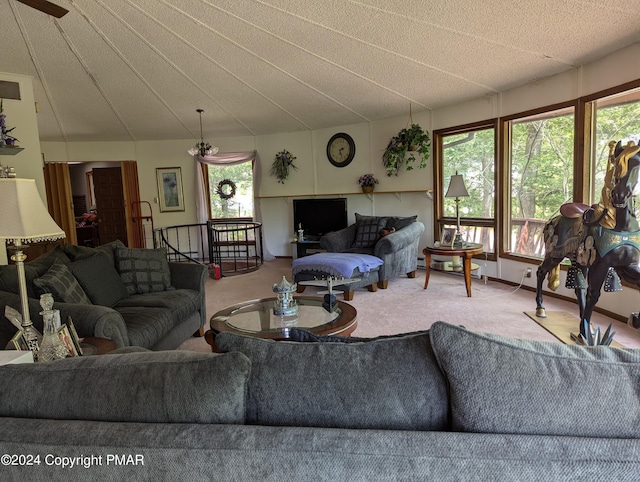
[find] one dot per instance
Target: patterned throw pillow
(368, 231)
(61, 283)
(143, 270)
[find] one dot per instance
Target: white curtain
(229, 159)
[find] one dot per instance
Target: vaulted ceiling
(138, 69)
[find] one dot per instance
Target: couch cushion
(32, 269)
(99, 279)
(368, 230)
(393, 383)
(143, 270)
(79, 252)
(502, 385)
(61, 283)
(171, 386)
(145, 325)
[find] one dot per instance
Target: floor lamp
(457, 189)
(25, 220)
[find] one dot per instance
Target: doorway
(112, 196)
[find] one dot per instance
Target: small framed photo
(18, 342)
(65, 337)
(448, 235)
(74, 336)
(170, 193)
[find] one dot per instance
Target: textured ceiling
(137, 70)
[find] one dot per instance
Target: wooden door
(58, 185)
(110, 204)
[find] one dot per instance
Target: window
(616, 117)
(541, 155)
(470, 151)
(240, 205)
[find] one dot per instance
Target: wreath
(224, 195)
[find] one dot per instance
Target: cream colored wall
(316, 176)
(21, 114)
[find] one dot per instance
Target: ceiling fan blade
(46, 7)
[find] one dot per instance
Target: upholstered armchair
(398, 249)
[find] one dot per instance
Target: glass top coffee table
(256, 318)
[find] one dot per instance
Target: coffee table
(256, 318)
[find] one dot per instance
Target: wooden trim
(59, 199)
(132, 212)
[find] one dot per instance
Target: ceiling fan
(46, 7)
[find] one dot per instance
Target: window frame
(505, 169)
(438, 169)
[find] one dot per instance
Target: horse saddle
(573, 210)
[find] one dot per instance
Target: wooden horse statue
(602, 241)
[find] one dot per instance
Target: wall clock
(341, 149)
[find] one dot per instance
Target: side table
(466, 252)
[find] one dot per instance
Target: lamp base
(457, 241)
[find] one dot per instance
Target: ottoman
(338, 265)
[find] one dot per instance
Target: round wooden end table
(466, 252)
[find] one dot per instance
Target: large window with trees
(230, 190)
(471, 151)
(540, 156)
(614, 117)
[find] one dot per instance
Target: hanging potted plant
(412, 140)
(281, 164)
(367, 182)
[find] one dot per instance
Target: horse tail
(553, 279)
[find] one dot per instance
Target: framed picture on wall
(170, 194)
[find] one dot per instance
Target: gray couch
(131, 296)
(398, 250)
(447, 404)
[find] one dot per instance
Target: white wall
(21, 114)
(316, 176)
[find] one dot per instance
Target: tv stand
(306, 248)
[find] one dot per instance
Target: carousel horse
(602, 241)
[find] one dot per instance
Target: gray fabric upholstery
(62, 285)
(368, 231)
(79, 252)
(33, 268)
(99, 279)
(398, 250)
(178, 451)
(502, 385)
(143, 270)
(330, 384)
(152, 387)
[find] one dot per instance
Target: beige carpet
(405, 306)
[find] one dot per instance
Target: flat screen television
(319, 216)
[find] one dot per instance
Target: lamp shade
(24, 218)
(457, 187)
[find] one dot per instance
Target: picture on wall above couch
(170, 193)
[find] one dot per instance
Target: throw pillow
(143, 270)
(99, 279)
(152, 387)
(62, 285)
(32, 269)
(368, 230)
(502, 385)
(393, 383)
(79, 252)
(400, 222)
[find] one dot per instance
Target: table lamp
(457, 189)
(24, 220)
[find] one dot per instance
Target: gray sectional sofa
(447, 404)
(131, 296)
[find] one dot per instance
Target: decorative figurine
(285, 304)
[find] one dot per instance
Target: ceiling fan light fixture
(202, 148)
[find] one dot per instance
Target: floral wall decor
(5, 139)
(281, 164)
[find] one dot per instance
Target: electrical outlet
(528, 274)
